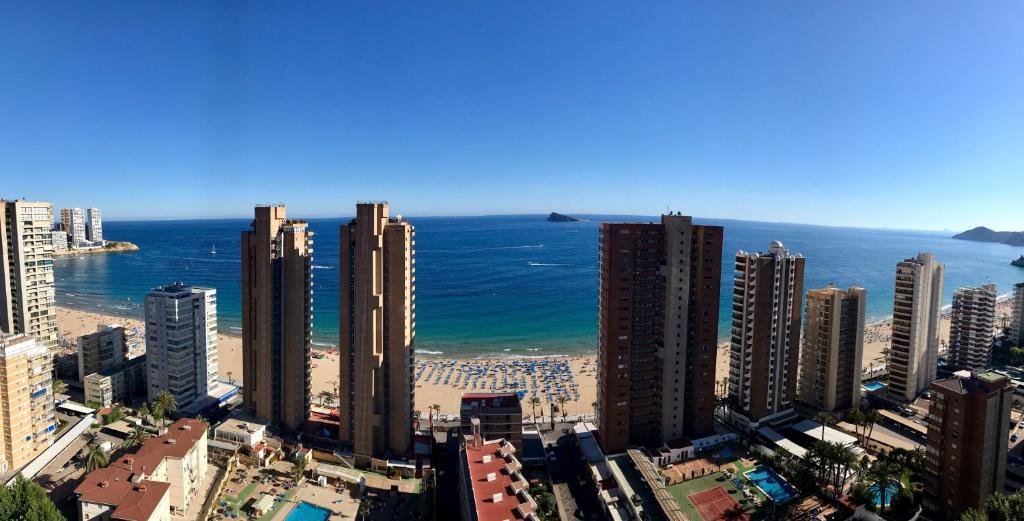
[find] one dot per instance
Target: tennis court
(712, 504)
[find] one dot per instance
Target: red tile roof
(484, 490)
(113, 485)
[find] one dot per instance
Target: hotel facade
(181, 342)
(277, 315)
(657, 331)
(26, 271)
(832, 349)
(916, 316)
(764, 351)
(377, 328)
(972, 327)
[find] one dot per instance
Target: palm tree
(824, 419)
(882, 473)
(96, 458)
(534, 402)
(437, 410)
(144, 412)
(167, 403)
(856, 417)
(324, 396)
(136, 438)
(870, 419)
(561, 399)
(230, 381)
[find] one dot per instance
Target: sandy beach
(442, 381)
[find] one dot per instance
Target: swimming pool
(771, 484)
(308, 512)
(890, 492)
(874, 386)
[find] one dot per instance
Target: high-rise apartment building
(26, 271)
(972, 327)
(916, 312)
(277, 316)
(105, 348)
(657, 331)
(181, 342)
(764, 352)
(94, 226)
(832, 349)
(27, 420)
(73, 220)
(1017, 315)
(60, 238)
(965, 460)
(376, 332)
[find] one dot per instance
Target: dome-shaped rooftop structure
(776, 244)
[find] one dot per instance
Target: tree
(24, 500)
(856, 417)
(534, 402)
(60, 387)
(437, 410)
(861, 494)
(824, 419)
(167, 403)
(998, 507)
(144, 412)
(230, 381)
(870, 419)
(882, 473)
(96, 458)
(562, 399)
(298, 468)
(136, 438)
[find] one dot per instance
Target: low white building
(241, 432)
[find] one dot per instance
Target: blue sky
(900, 114)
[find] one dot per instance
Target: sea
(513, 285)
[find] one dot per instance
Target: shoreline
(442, 378)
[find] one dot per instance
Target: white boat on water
(213, 250)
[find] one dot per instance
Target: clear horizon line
(584, 214)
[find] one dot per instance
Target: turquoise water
(308, 512)
(874, 386)
(890, 491)
(502, 284)
(768, 481)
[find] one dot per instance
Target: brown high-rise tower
(376, 330)
(277, 313)
(657, 331)
(966, 457)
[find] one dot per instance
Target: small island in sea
(108, 247)
(562, 218)
(983, 234)
(1019, 262)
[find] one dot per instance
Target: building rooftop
(498, 489)
(135, 499)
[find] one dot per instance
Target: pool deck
(323, 497)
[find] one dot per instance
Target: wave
(464, 250)
(530, 263)
(428, 352)
(319, 267)
(323, 344)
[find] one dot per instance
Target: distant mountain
(983, 234)
(559, 218)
